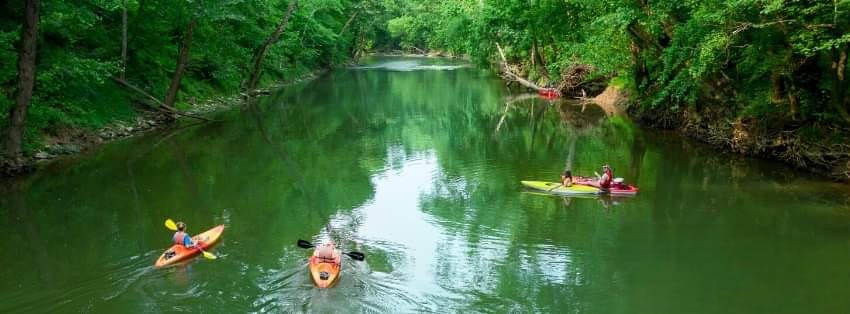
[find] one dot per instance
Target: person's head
(181, 226)
(567, 174)
(605, 167)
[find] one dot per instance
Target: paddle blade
(209, 255)
(170, 224)
(357, 256)
(304, 244)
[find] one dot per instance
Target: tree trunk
(123, 40)
(641, 73)
(358, 51)
(777, 87)
(538, 60)
(182, 59)
(348, 23)
(839, 85)
(260, 55)
(26, 81)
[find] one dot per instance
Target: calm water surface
(417, 163)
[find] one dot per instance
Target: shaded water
(417, 163)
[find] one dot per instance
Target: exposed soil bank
(70, 141)
(820, 149)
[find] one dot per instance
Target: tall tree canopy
(753, 58)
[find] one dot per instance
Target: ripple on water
(291, 289)
(89, 294)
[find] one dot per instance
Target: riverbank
(74, 140)
(823, 150)
(819, 149)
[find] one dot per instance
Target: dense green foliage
(785, 60)
(79, 50)
(754, 58)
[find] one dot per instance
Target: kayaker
(327, 252)
(606, 178)
(181, 237)
(567, 178)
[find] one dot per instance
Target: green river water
(417, 163)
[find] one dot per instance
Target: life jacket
(609, 177)
(179, 237)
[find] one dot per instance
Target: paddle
(557, 186)
(171, 225)
(357, 256)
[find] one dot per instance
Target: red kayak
(618, 187)
(549, 93)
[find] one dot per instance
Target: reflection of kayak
(557, 188)
(583, 196)
(179, 253)
(325, 273)
(617, 188)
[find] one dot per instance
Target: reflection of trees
(285, 166)
(582, 122)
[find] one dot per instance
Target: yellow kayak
(557, 188)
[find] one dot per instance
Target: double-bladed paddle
(357, 256)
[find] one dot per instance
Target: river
(416, 162)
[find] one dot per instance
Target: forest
(757, 76)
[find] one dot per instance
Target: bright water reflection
(417, 163)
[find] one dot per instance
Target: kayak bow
(325, 272)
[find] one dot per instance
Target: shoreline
(76, 140)
(791, 145)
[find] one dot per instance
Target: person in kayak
(181, 237)
(567, 178)
(606, 178)
(327, 253)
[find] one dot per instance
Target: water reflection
(420, 169)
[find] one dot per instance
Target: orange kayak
(325, 272)
(179, 253)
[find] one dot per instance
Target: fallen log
(508, 75)
(161, 105)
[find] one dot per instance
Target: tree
(26, 80)
(182, 59)
(260, 54)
